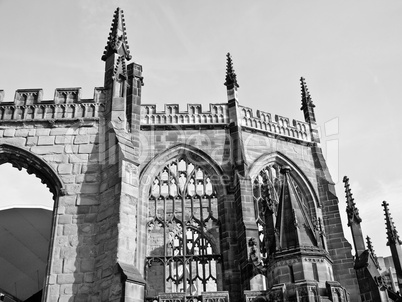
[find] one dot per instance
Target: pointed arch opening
(183, 229)
(29, 190)
(268, 182)
(20, 158)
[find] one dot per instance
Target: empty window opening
(26, 210)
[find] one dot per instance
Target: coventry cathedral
(210, 203)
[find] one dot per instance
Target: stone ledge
(131, 273)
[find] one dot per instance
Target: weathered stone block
(82, 139)
(47, 149)
(70, 229)
(70, 278)
(134, 292)
(73, 189)
(88, 188)
(87, 200)
(70, 266)
(71, 149)
(65, 219)
(54, 290)
(87, 265)
(61, 131)
(32, 141)
(88, 130)
(16, 141)
(89, 277)
(9, 132)
(57, 266)
(46, 140)
(42, 132)
(78, 158)
(68, 252)
(65, 168)
(65, 140)
(89, 148)
(22, 132)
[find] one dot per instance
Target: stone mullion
(203, 249)
(45, 111)
(13, 113)
(24, 112)
(166, 260)
(184, 230)
(190, 272)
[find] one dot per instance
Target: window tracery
(267, 186)
(266, 192)
(183, 231)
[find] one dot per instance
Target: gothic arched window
(266, 191)
(183, 254)
(267, 186)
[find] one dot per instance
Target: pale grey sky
(350, 53)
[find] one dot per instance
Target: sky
(350, 53)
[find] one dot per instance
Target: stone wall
(71, 151)
(105, 167)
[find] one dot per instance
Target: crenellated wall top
(277, 125)
(28, 104)
(23, 97)
(218, 114)
(194, 115)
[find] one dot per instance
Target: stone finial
(370, 245)
(351, 209)
(307, 103)
(117, 41)
(392, 233)
(306, 97)
(231, 78)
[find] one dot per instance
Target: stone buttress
(116, 260)
(368, 271)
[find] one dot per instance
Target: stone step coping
(192, 108)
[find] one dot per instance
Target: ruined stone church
(210, 203)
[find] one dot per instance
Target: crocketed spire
(306, 97)
(370, 246)
(392, 233)
(231, 80)
(307, 103)
(372, 252)
(117, 41)
(351, 209)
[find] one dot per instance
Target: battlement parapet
(279, 126)
(171, 115)
(218, 115)
(28, 104)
